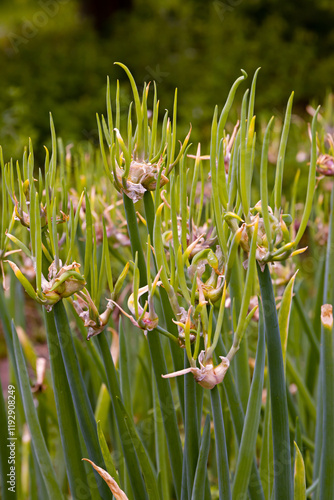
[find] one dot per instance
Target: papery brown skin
(327, 315)
(113, 486)
(95, 325)
(142, 177)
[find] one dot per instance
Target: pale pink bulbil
(325, 165)
(208, 375)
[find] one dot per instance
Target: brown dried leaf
(114, 488)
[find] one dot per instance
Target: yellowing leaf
(299, 476)
(23, 280)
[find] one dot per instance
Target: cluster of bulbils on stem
(194, 261)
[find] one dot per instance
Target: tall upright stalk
(168, 313)
(81, 401)
(280, 421)
(66, 415)
(128, 449)
(221, 451)
(327, 373)
(158, 361)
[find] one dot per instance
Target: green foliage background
(59, 62)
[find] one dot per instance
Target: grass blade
(284, 316)
(66, 415)
(229, 101)
(106, 455)
(237, 416)
(124, 369)
(146, 465)
(136, 245)
(129, 452)
(79, 394)
(201, 469)
(190, 427)
(221, 451)
(264, 182)
(167, 310)
(306, 323)
(266, 457)
(279, 407)
(7, 494)
(251, 424)
(327, 371)
(311, 181)
(160, 446)
(281, 153)
(327, 455)
(304, 393)
(167, 409)
(299, 476)
(41, 450)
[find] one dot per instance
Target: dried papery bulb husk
(94, 326)
(89, 312)
(40, 374)
(142, 177)
(327, 315)
(113, 486)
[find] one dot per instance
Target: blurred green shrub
(57, 62)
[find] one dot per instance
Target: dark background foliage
(55, 55)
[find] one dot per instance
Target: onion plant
(175, 320)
